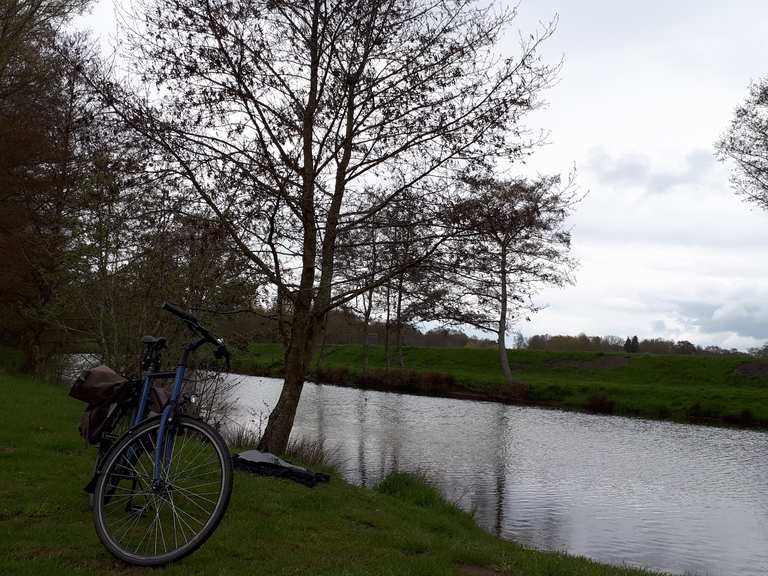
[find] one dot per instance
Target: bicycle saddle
(153, 341)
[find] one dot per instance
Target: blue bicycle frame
(170, 406)
(169, 409)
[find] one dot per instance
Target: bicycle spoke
(173, 517)
(180, 520)
(138, 546)
(160, 526)
(191, 496)
(212, 482)
(190, 516)
(189, 466)
(135, 517)
(200, 474)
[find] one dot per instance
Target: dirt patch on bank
(753, 370)
(598, 363)
(477, 570)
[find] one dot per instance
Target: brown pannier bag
(99, 387)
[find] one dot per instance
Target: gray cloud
(637, 170)
(744, 318)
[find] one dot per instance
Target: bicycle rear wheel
(150, 524)
(119, 421)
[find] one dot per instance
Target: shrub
(331, 375)
(11, 360)
(313, 452)
(600, 403)
(241, 437)
(406, 380)
(413, 488)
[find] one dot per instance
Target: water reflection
(665, 496)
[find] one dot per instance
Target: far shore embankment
(730, 390)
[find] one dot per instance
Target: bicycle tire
(122, 418)
(131, 460)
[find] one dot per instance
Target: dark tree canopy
(89, 242)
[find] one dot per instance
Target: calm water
(665, 496)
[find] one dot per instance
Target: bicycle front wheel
(150, 523)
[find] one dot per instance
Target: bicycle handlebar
(176, 311)
(194, 324)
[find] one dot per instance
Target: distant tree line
(348, 327)
(760, 351)
(584, 343)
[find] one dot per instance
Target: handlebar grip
(176, 311)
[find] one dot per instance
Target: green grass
(706, 389)
(272, 526)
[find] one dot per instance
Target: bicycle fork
(164, 444)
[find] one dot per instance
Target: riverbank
(715, 390)
(272, 526)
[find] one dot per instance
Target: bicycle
(162, 488)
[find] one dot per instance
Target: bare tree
(411, 293)
(515, 243)
(359, 255)
(746, 144)
(296, 122)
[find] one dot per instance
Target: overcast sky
(666, 248)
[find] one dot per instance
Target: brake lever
(222, 352)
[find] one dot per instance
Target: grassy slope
(272, 526)
(695, 388)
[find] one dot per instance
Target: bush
(241, 437)
(383, 379)
(11, 360)
(331, 375)
(412, 488)
(313, 453)
(599, 402)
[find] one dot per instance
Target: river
(665, 496)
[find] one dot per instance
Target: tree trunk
(320, 356)
(519, 389)
(368, 301)
(278, 429)
(386, 332)
(367, 309)
(399, 324)
(297, 359)
(505, 368)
